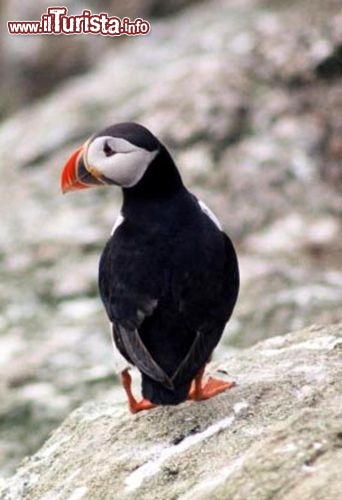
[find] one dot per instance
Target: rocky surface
(277, 434)
(247, 95)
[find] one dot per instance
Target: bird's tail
(160, 395)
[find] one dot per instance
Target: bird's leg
(133, 404)
(209, 389)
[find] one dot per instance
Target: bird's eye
(108, 151)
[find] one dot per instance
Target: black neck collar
(161, 180)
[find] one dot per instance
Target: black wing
(207, 313)
(131, 280)
(168, 305)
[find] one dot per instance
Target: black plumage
(168, 278)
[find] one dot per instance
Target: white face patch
(118, 160)
(210, 214)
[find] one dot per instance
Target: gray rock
(277, 434)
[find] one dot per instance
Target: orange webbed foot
(134, 405)
(200, 390)
(211, 388)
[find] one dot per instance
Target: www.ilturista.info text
(57, 22)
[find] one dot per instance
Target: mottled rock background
(247, 95)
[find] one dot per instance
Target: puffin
(168, 275)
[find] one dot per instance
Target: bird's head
(119, 155)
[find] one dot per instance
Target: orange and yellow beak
(76, 175)
(69, 179)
